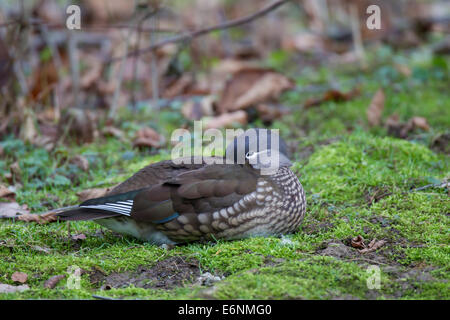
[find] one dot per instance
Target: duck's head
(263, 149)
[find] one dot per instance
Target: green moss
(346, 170)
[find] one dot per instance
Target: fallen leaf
(305, 42)
(28, 130)
(147, 137)
(102, 11)
(373, 245)
(19, 277)
(376, 108)
(251, 86)
(39, 218)
(12, 210)
(402, 130)
(92, 193)
(15, 170)
(53, 281)
(231, 66)
(42, 249)
(110, 131)
(226, 120)
(80, 236)
(332, 95)
(6, 193)
(358, 242)
(419, 122)
(6, 288)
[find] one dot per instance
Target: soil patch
(165, 274)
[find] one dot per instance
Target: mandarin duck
(172, 202)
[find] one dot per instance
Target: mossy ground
(358, 181)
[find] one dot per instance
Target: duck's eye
(249, 154)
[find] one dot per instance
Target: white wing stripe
(125, 206)
(125, 211)
(128, 202)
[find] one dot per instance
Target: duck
(237, 196)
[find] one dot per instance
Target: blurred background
(59, 85)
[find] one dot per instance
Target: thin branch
(115, 101)
(201, 32)
(39, 22)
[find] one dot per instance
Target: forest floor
(359, 181)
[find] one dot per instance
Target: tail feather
(99, 208)
(85, 214)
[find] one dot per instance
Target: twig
(115, 101)
(154, 66)
(39, 22)
(75, 67)
(201, 32)
(433, 185)
(135, 60)
(356, 32)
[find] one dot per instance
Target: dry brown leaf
(42, 249)
(6, 193)
(373, 245)
(402, 130)
(147, 138)
(6, 288)
(252, 86)
(358, 242)
(80, 236)
(92, 193)
(113, 132)
(38, 218)
(376, 108)
(102, 11)
(21, 277)
(419, 122)
(332, 95)
(226, 120)
(231, 66)
(12, 210)
(28, 130)
(305, 42)
(53, 281)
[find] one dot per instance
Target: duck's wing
(161, 172)
(186, 194)
(194, 192)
